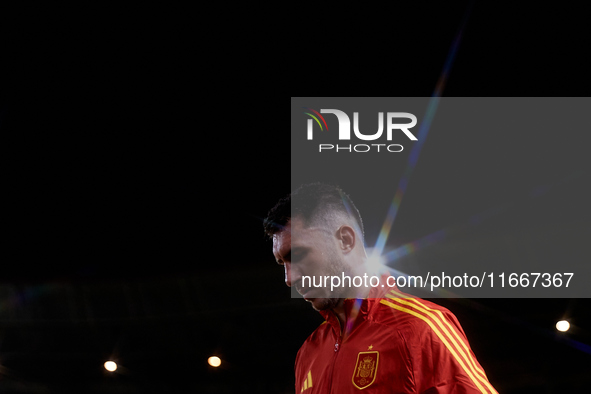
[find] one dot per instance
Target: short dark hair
(312, 202)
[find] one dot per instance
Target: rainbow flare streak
(416, 149)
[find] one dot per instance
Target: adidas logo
(307, 382)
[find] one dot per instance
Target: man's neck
(340, 311)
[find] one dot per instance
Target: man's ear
(346, 238)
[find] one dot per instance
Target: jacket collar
(357, 310)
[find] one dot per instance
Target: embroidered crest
(366, 369)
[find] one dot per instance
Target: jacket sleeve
(297, 373)
(442, 360)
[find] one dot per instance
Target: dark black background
(143, 146)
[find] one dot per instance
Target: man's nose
(291, 275)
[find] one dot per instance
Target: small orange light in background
(562, 325)
(111, 366)
(214, 361)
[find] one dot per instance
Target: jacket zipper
(337, 346)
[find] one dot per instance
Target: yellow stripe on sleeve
(451, 328)
(467, 355)
(443, 339)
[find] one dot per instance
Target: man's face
(313, 252)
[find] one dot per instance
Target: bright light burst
(375, 261)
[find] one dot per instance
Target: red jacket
(394, 344)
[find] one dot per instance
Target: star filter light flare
(423, 131)
(376, 263)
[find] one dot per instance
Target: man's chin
(322, 304)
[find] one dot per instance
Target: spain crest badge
(365, 369)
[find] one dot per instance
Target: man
(375, 338)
